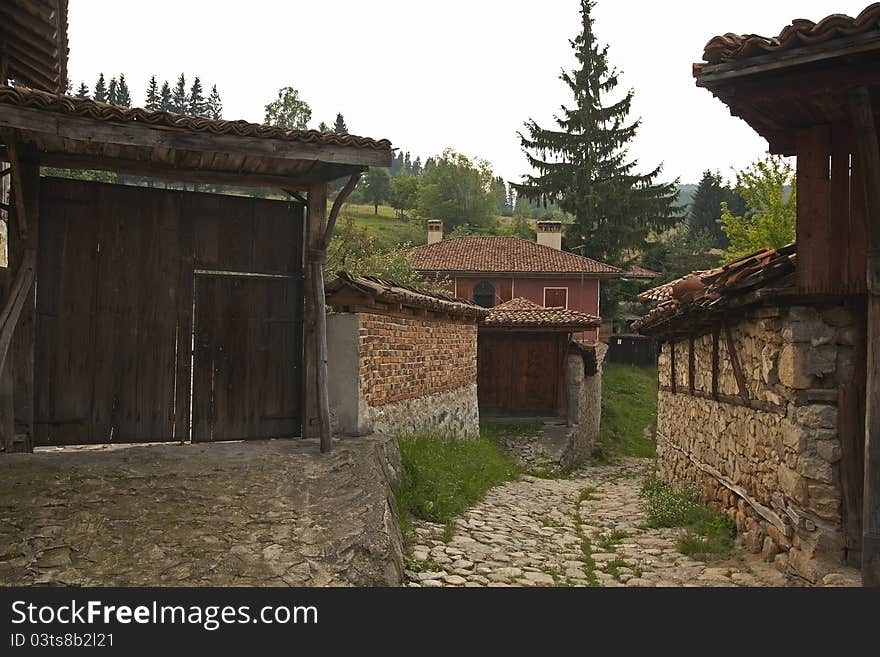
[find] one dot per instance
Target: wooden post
(316, 211)
(865, 133)
(7, 413)
(22, 238)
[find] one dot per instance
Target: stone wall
(396, 374)
(773, 466)
(583, 381)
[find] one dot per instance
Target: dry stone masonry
(772, 463)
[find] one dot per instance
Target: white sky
(428, 74)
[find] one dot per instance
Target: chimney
(435, 231)
(550, 234)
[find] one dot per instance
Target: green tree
(288, 110)
(113, 92)
(458, 191)
(215, 104)
(679, 251)
(179, 101)
(196, 104)
(404, 196)
(584, 166)
(83, 92)
(153, 99)
(704, 215)
(771, 209)
(166, 102)
(340, 127)
(520, 227)
(123, 95)
(377, 187)
(100, 89)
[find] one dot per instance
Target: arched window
(484, 294)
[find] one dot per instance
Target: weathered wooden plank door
(247, 356)
(519, 373)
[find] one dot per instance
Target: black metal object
(630, 349)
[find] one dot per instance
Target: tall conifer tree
(583, 165)
(100, 89)
(153, 99)
(179, 101)
(215, 105)
(123, 96)
(83, 91)
(196, 103)
(165, 98)
(113, 92)
(339, 126)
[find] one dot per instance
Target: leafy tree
(404, 194)
(196, 104)
(100, 90)
(288, 110)
(339, 126)
(83, 92)
(583, 165)
(770, 217)
(520, 227)
(113, 92)
(215, 104)
(705, 211)
(458, 191)
(165, 98)
(179, 101)
(377, 187)
(679, 251)
(323, 127)
(153, 99)
(123, 95)
(416, 167)
(396, 163)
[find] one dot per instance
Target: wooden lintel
(733, 400)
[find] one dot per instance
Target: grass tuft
(629, 404)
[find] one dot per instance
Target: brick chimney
(435, 231)
(550, 234)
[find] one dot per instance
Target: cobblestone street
(588, 530)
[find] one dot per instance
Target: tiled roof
(502, 255)
(33, 98)
(701, 294)
(664, 292)
(801, 32)
(388, 291)
(640, 272)
(521, 313)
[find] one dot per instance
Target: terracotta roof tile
(640, 272)
(734, 47)
(700, 294)
(522, 313)
(33, 98)
(502, 255)
(389, 291)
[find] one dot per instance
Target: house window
(556, 297)
(484, 294)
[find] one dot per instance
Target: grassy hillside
(629, 403)
(385, 226)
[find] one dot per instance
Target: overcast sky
(427, 75)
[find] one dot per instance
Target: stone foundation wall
(584, 404)
(773, 469)
(402, 374)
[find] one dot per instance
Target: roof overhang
(122, 143)
(33, 43)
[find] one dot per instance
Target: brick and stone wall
(774, 465)
(391, 374)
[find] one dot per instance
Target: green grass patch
(587, 494)
(607, 542)
(441, 478)
(710, 534)
(629, 404)
(389, 231)
(613, 567)
(497, 431)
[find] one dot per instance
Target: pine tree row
(179, 100)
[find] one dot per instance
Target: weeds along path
(585, 531)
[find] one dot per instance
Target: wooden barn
(812, 92)
(521, 358)
(143, 314)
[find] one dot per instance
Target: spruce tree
(339, 126)
(583, 165)
(123, 96)
(179, 101)
(705, 211)
(153, 99)
(113, 92)
(323, 127)
(196, 104)
(83, 92)
(165, 98)
(407, 163)
(100, 90)
(215, 105)
(416, 166)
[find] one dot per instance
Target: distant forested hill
(686, 194)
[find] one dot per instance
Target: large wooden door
(246, 382)
(520, 373)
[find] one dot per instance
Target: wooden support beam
(691, 365)
(866, 138)
(734, 361)
(18, 294)
(10, 139)
(337, 206)
(318, 411)
(716, 337)
(672, 381)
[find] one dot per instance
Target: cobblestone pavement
(584, 531)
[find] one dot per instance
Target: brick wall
(404, 358)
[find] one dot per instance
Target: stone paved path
(571, 532)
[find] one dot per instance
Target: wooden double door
(521, 373)
(130, 280)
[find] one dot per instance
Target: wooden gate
(115, 283)
(521, 373)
